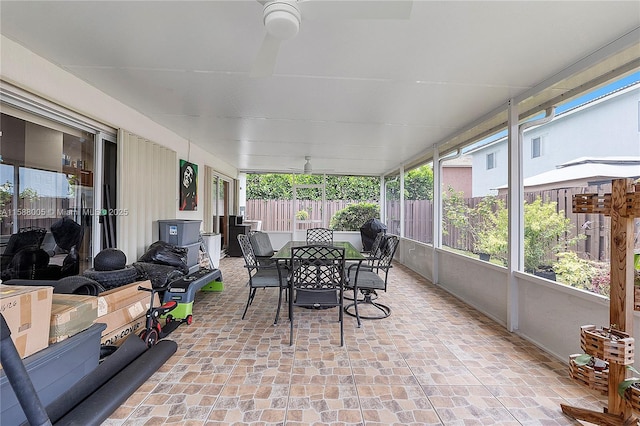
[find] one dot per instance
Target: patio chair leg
(279, 304)
(355, 306)
(291, 331)
(368, 299)
(252, 294)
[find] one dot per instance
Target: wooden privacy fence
(276, 215)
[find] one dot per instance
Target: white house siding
(607, 127)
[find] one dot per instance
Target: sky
(608, 88)
(633, 78)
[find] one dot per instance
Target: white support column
(383, 201)
(402, 200)
(516, 215)
(437, 212)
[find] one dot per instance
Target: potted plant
(629, 389)
(302, 215)
(589, 371)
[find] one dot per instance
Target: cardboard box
(121, 317)
(121, 297)
(118, 336)
(71, 314)
(27, 310)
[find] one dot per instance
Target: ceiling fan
(308, 169)
(282, 19)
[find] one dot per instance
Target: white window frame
(536, 141)
(491, 161)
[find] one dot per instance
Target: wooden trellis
(623, 205)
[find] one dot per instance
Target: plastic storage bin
(193, 254)
(53, 371)
(180, 232)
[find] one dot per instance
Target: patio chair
(260, 276)
(262, 247)
(373, 254)
(371, 277)
(319, 236)
(317, 280)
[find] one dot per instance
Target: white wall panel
(147, 173)
(478, 283)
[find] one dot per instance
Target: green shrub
(601, 281)
(302, 215)
(546, 233)
(477, 221)
(572, 270)
(352, 217)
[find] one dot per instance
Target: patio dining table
(351, 254)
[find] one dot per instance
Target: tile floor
(435, 360)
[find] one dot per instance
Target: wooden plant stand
(623, 205)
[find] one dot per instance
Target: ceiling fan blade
(355, 9)
(265, 61)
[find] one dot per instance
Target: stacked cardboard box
(27, 310)
(71, 314)
(123, 311)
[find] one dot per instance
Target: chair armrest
(361, 267)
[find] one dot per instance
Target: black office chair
(317, 280)
(260, 276)
(371, 277)
(320, 236)
(26, 259)
(23, 239)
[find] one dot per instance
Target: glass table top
(350, 252)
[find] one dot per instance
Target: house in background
(457, 174)
(605, 127)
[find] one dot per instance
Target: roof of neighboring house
(462, 161)
(584, 171)
(501, 137)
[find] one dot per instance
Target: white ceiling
(358, 96)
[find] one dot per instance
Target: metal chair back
(374, 253)
(250, 259)
(320, 236)
(387, 249)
